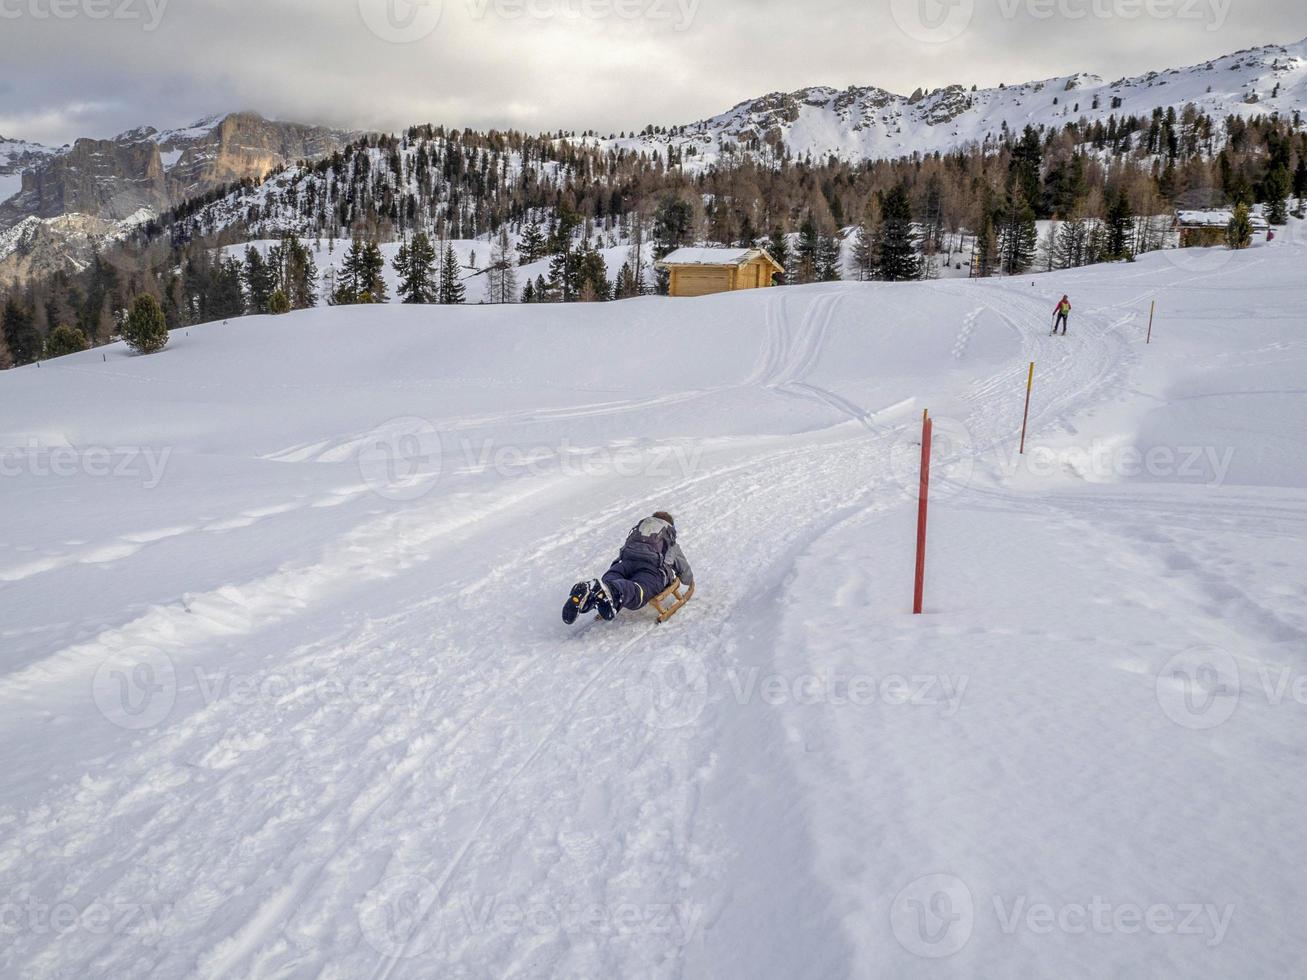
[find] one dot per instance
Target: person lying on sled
(649, 563)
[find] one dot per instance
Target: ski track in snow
(490, 758)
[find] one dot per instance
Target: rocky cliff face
(150, 170)
(58, 206)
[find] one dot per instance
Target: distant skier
(648, 564)
(1061, 313)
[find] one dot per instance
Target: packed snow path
(296, 701)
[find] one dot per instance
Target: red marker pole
(1151, 313)
(1030, 384)
(922, 503)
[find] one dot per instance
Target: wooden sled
(672, 601)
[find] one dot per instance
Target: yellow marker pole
(1151, 313)
(1030, 384)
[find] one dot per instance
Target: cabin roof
(716, 257)
(1218, 218)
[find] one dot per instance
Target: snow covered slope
(871, 123)
(284, 690)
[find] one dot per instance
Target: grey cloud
(604, 64)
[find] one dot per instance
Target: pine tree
(985, 252)
(260, 280)
(896, 251)
(1019, 236)
(416, 263)
(452, 291)
(807, 252)
(21, 336)
(372, 278)
(625, 287)
(529, 293)
(6, 359)
(278, 303)
(1278, 186)
(532, 246)
(1120, 229)
(592, 275)
(1239, 233)
(779, 247)
(146, 330)
(503, 278)
(227, 295)
(65, 340)
(829, 259)
(865, 238)
(296, 272)
(349, 278)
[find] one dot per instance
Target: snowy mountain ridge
(870, 123)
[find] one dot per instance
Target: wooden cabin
(1206, 229)
(702, 271)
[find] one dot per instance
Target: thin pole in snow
(1151, 313)
(922, 505)
(1025, 421)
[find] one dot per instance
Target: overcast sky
(72, 68)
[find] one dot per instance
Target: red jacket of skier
(1063, 307)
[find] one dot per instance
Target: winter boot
(608, 605)
(581, 601)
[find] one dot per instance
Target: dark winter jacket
(652, 543)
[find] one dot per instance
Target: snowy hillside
(870, 123)
(284, 690)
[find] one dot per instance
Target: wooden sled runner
(672, 601)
